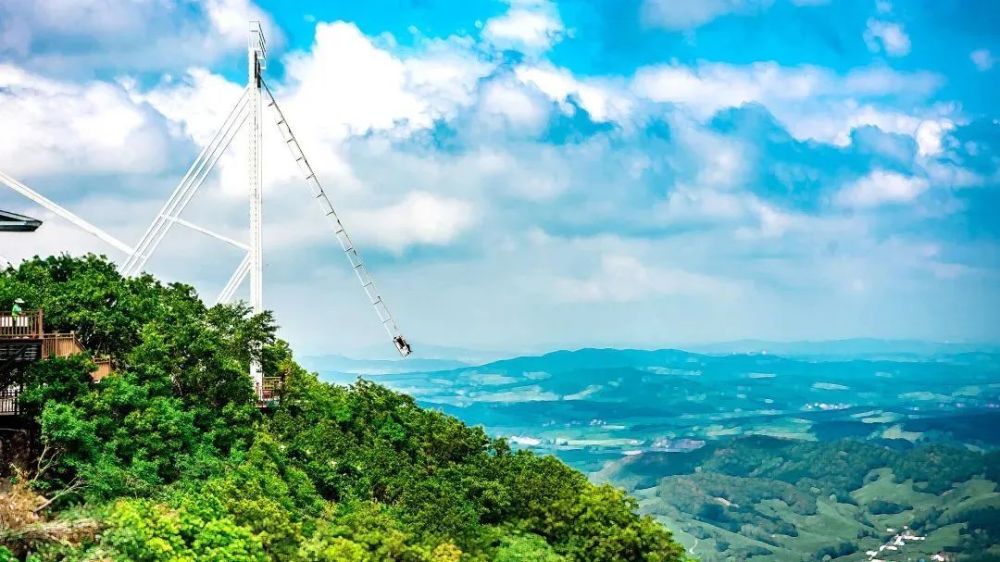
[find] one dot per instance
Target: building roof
(13, 222)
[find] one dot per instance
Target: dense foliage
(173, 461)
(770, 499)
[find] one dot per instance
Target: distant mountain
(855, 348)
(424, 350)
(331, 364)
(614, 401)
(588, 358)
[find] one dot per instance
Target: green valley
(767, 499)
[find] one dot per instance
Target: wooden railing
(63, 345)
(60, 345)
(26, 325)
(103, 368)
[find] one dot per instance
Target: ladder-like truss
(346, 244)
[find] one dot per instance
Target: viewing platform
(23, 340)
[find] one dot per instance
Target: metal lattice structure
(246, 111)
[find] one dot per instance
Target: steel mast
(256, 61)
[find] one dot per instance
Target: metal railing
(27, 325)
(9, 405)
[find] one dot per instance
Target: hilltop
(170, 459)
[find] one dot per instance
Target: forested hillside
(169, 459)
(779, 500)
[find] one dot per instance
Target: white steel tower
(256, 61)
(247, 111)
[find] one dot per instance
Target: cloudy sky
(523, 175)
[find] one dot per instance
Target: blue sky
(531, 174)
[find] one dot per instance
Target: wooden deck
(23, 340)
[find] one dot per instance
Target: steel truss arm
(235, 281)
(64, 213)
(186, 189)
(367, 282)
(215, 235)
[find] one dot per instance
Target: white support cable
(63, 213)
(215, 235)
(367, 282)
(235, 281)
(187, 187)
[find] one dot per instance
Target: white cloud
(448, 73)
(198, 101)
(350, 86)
(886, 36)
(941, 173)
(686, 205)
(53, 126)
(929, 135)
(719, 162)
(624, 278)
(880, 187)
(982, 58)
(689, 14)
(76, 37)
(810, 102)
(230, 21)
(709, 87)
(420, 218)
(507, 103)
(740, 212)
(836, 124)
(602, 100)
(530, 26)
(882, 81)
